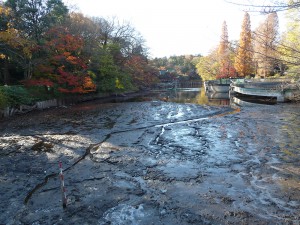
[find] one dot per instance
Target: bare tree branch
(272, 6)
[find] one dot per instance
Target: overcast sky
(173, 27)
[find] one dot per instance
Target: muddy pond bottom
(152, 162)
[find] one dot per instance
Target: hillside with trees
(45, 46)
(48, 51)
(182, 67)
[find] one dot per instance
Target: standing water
(189, 95)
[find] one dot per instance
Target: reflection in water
(201, 97)
(195, 96)
(241, 100)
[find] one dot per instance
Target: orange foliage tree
(226, 71)
(62, 64)
(142, 73)
(243, 60)
(223, 50)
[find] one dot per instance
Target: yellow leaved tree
(13, 46)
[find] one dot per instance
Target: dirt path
(152, 163)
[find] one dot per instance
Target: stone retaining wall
(10, 111)
(40, 105)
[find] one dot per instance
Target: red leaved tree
(226, 71)
(63, 63)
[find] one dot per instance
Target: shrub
(3, 100)
(115, 84)
(15, 95)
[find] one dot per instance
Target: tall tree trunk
(28, 71)
(6, 74)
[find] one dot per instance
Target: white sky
(173, 27)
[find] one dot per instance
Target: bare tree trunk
(28, 71)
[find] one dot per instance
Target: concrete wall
(21, 109)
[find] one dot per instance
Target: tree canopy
(42, 43)
(182, 67)
(262, 52)
(265, 46)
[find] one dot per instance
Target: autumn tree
(265, 46)
(85, 28)
(22, 31)
(122, 35)
(119, 45)
(182, 67)
(62, 65)
(70, 51)
(243, 60)
(225, 56)
(223, 50)
(143, 74)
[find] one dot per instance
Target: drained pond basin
(152, 162)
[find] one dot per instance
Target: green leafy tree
(15, 48)
(35, 17)
(289, 47)
(208, 66)
(182, 66)
(108, 75)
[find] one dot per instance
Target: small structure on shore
(282, 90)
(219, 86)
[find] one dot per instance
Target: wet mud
(152, 163)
